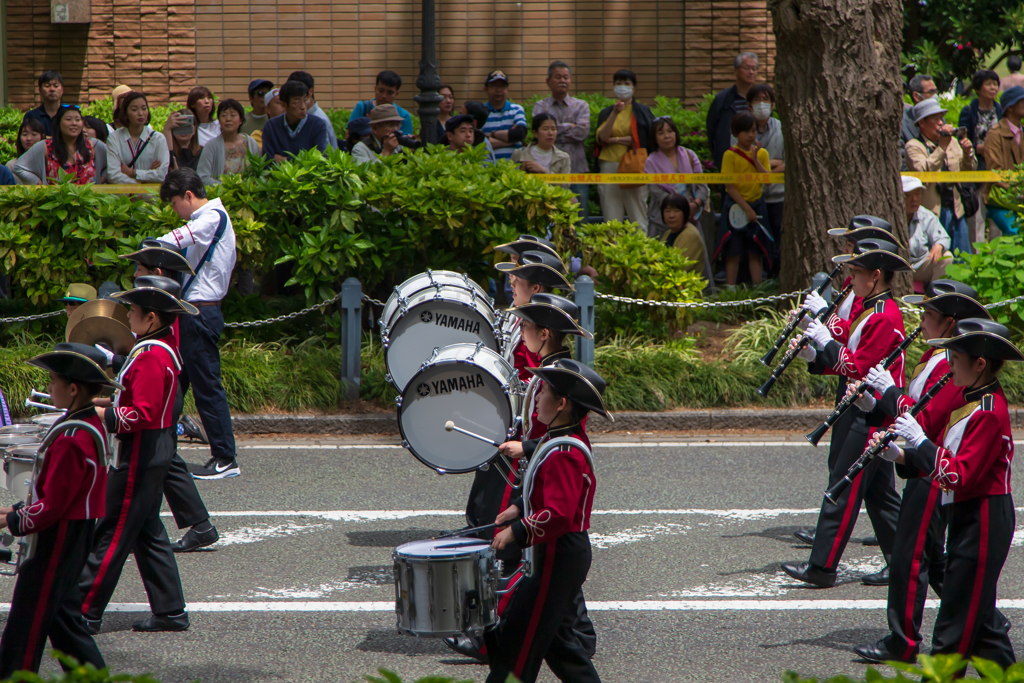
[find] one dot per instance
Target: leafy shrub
(996, 270)
(78, 673)
(937, 669)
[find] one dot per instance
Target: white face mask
(762, 110)
(623, 92)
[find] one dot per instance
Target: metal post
(585, 301)
(351, 337)
(817, 281)
(428, 82)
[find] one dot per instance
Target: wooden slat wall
(682, 48)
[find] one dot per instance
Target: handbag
(635, 159)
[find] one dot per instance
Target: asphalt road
(686, 583)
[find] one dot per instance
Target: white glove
(819, 333)
(866, 402)
(808, 353)
(107, 353)
(891, 452)
(907, 427)
(814, 304)
(879, 379)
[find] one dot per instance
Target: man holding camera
(384, 138)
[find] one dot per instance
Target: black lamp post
(428, 82)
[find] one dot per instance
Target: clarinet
(793, 351)
(845, 404)
(767, 358)
(836, 491)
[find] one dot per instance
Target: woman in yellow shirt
(621, 127)
(751, 238)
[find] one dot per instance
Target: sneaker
(192, 429)
(217, 469)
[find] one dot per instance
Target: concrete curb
(765, 419)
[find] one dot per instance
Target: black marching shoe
(870, 540)
(877, 579)
(93, 626)
(177, 622)
(808, 573)
(194, 540)
(468, 646)
(805, 535)
(216, 468)
(879, 652)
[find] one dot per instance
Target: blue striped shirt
(506, 118)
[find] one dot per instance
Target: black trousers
(537, 625)
(132, 525)
(875, 486)
(918, 560)
(488, 497)
(47, 602)
(179, 487)
(980, 533)
(201, 359)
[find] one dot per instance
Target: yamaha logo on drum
(423, 389)
(426, 316)
(463, 383)
(452, 322)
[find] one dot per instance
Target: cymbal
(105, 308)
(102, 330)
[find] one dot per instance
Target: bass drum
(510, 333)
(433, 310)
(470, 385)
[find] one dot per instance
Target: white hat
(910, 183)
(926, 108)
(271, 94)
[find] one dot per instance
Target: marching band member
(972, 467)
(159, 258)
(516, 249)
(876, 331)
(141, 418)
(67, 498)
(918, 553)
(537, 624)
(78, 293)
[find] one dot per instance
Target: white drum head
(435, 323)
(464, 393)
(48, 419)
(442, 548)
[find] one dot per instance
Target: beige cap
(118, 91)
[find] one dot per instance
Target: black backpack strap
(221, 227)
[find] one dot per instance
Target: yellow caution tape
(723, 178)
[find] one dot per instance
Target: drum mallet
(29, 403)
(39, 394)
(450, 426)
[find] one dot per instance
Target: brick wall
(682, 48)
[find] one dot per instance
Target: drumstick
(449, 426)
(460, 532)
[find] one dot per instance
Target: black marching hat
(981, 337)
(157, 293)
(157, 254)
(866, 227)
(874, 254)
(77, 362)
(527, 243)
(552, 312)
(950, 297)
(578, 382)
(540, 267)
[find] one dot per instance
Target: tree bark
(840, 99)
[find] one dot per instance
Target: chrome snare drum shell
(22, 429)
(19, 461)
(48, 420)
(445, 587)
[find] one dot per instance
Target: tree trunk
(839, 96)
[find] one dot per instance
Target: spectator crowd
(218, 138)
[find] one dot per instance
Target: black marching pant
(980, 533)
(537, 625)
(875, 486)
(132, 525)
(201, 359)
(179, 487)
(47, 602)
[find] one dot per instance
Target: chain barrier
(700, 304)
(296, 314)
(29, 318)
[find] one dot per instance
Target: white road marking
(382, 515)
(605, 444)
(255, 534)
(601, 606)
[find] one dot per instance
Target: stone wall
(682, 48)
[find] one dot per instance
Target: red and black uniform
(972, 467)
(142, 418)
(873, 334)
(918, 556)
(537, 624)
(67, 498)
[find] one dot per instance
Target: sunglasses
(71, 106)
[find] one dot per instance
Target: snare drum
(22, 429)
(470, 385)
(18, 464)
(46, 421)
(432, 310)
(445, 587)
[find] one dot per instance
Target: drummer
(558, 494)
(69, 491)
(159, 258)
(78, 293)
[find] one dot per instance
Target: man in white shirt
(208, 242)
(314, 108)
(929, 241)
